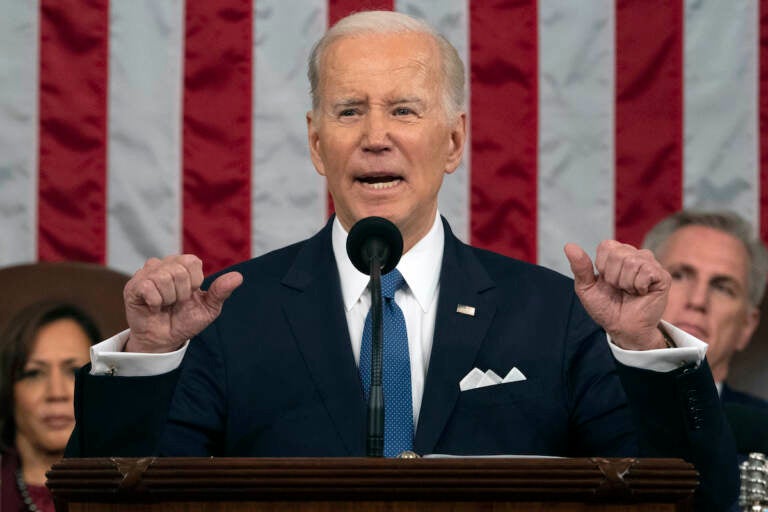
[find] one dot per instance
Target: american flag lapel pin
(465, 310)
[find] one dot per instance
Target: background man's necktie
(396, 374)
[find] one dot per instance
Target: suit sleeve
(618, 410)
(196, 416)
(119, 416)
(179, 413)
(679, 414)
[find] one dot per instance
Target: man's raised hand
(165, 306)
(628, 294)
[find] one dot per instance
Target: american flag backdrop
(137, 128)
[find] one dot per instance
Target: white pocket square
(478, 379)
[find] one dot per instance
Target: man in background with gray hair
(718, 270)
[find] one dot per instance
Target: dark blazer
(274, 375)
(732, 396)
(748, 416)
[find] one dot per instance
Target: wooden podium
(362, 484)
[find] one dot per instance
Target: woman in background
(40, 351)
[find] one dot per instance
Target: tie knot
(390, 283)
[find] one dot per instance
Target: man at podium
(496, 356)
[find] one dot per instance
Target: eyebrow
(720, 278)
(354, 102)
(349, 102)
(715, 278)
(40, 362)
(414, 99)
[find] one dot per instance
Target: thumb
(581, 265)
(221, 288)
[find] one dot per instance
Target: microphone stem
(375, 439)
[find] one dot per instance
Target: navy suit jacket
(274, 375)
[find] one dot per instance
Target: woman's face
(43, 393)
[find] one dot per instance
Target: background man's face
(380, 134)
(709, 294)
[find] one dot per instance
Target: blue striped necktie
(396, 372)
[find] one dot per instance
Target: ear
(458, 137)
(313, 138)
(751, 322)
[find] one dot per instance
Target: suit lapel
(315, 312)
(457, 338)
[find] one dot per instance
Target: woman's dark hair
(16, 344)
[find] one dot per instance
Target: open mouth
(380, 182)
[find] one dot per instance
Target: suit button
(694, 418)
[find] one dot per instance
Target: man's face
(709, 294)
(380, 134)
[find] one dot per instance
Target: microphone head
(374, 237)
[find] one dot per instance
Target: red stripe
(337, 9)
(217, 132)
(504, 154)
(763, 49)
(73, 132)
(649, 114)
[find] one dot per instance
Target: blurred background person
(718, 268)
(40, 350)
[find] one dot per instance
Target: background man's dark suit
(274, 375)
(748, 417)
(731, 396)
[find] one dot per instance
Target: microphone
(374, 237)
(374, 246)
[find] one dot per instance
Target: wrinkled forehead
(385, 59)
(709, 248)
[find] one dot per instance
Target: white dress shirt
(420, 268)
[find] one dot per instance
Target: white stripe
(288, 195)
(19, 50)
(721, 106)
(145, 97)
(451, 19)
(576, 120)
(576, 131)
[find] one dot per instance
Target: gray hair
(390, 22)
(727, 222)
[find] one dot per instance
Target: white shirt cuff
(108, 358)
(689, 349)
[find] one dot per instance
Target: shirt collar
(417, 266)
